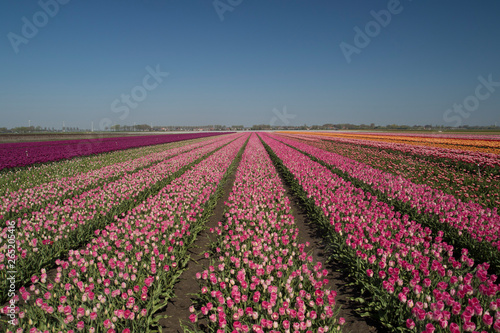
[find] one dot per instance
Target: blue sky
(237, 65)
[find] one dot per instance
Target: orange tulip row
(478, 145)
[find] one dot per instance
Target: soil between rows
(337, 276)
(178, 307)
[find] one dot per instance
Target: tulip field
(97, 239)
(25, 153)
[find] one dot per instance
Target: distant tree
(143, 127)
(21, 129)
(261, 127)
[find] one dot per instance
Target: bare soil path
(337, 275)
(178, 307)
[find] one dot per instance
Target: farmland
(251, 232)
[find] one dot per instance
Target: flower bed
(467, 224)
(20, 154)
(58, 227)
(26, 199)
(260, 278)
(121, 278)
(480, 187)
(12, 180)
(455, 156)
(411, 275)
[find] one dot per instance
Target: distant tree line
(259, 127)
(39, 129)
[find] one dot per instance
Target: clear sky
(233, 62)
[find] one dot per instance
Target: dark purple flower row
(26, 153)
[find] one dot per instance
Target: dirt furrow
(178, 307)
(337, 276)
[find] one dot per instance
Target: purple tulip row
(12, 180)
(482, 224)
(26, 153)
(260, 278)
(25, 198)
(412, 274)
(121, 278)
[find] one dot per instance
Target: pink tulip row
(412, 274)
(29, 197)
(48, 232)
(117, 282)
(478, 158)
(482, 188)
(260, 278)
(35, 175)
(482, 224)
